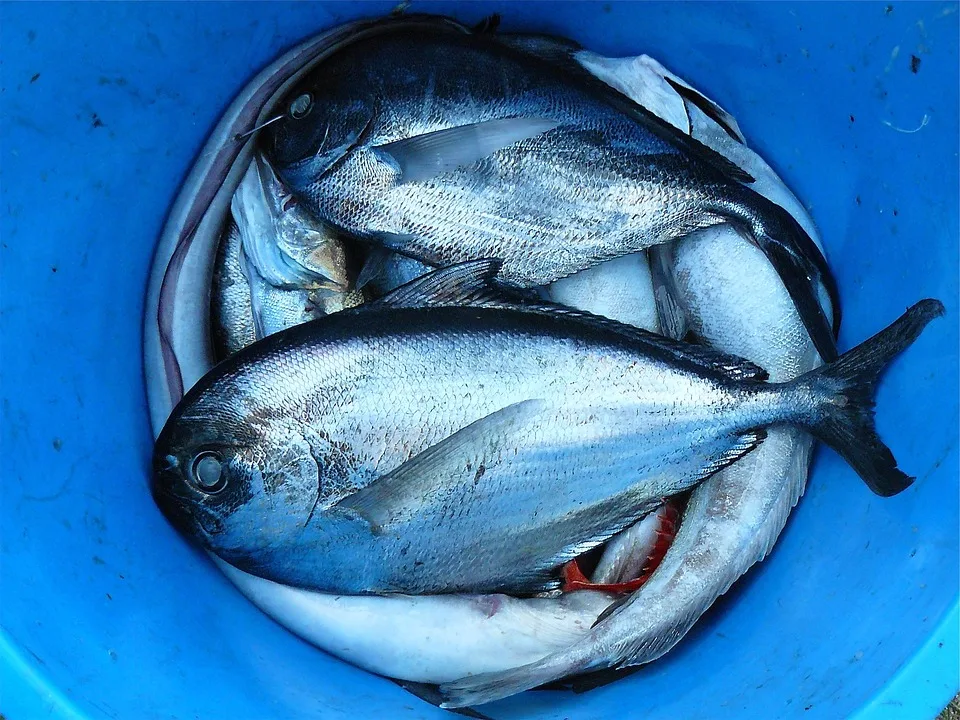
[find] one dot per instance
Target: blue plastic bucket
(106, 612)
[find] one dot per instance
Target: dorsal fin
(473, 284)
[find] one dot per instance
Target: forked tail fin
(845, 417)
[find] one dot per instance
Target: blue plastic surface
(106, 612)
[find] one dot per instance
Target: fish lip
(175, 508)
(178, 507)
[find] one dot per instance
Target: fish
(421, 445)
(231, 311)
(620, 289)
(275, 267)
(429, 639)
(449, 146)
(297, 269)
(391, 270)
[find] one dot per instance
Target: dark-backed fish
(449, 146)
(446, 441)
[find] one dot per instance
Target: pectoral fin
(423, 157)
(413, 486)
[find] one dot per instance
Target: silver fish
(276, 265)
(399, 635)
(447, 146)
(425, 446)
(231, 313)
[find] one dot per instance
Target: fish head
(239, 480)
(318, 122)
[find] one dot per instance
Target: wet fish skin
(276, 265)
(619, 289)
(397, 270)
(285, 242)
(593, 177)
(429, 639)
(622, 290)
(231, 314)
(735, 301)
(377, 427)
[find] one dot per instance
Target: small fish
(231, 312)
(423, 445)
(276, 265)
(448, 146)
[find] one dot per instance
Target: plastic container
(106, 612)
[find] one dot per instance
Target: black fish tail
(844, 419)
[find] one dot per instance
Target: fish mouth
(175, 508)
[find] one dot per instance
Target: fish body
(619, 289)
(396, 270)
(447, 147)
(449, 448)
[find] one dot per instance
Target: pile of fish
(495, 339)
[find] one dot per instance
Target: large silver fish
(449, 146)
(428, 446)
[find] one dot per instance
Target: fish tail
(844, 418)
(487, 687)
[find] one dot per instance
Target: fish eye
(301, 106)
(206, 472)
